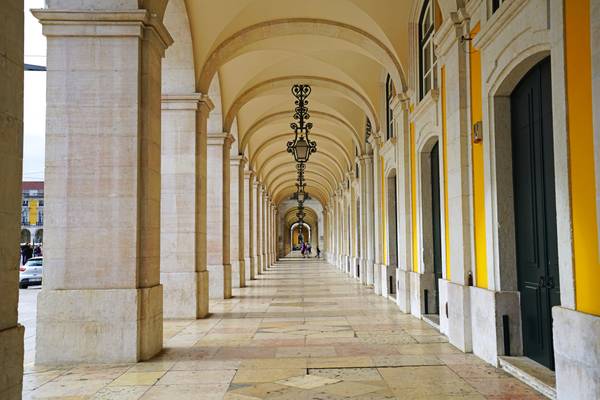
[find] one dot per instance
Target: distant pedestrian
(318, 252)
(37, 251)
(309, 249)
(303, 249)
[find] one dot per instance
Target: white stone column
(102, 300)
(11, 150)
(265, 231)
(217, 215)
(377, 284)
(259, 228)
(341, 247)
(367, 217)
(237, 221)
(184, 278)
(248, 236)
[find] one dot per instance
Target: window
(357, 171)
(427, 59)
(496, 5)
(389, 115)
(368, 129)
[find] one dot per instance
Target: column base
(185, 294)
(11, 362)
(248, 271)
(264, 262)
(355, 267)
(403, 290)
(235, 274)
(385, 282)
(99, 325)
(377, 287)
(487, 309)
(576, 354)
(370, 272)
(419, 305)
(459, 316)
(241, 273)
(219, 284)
(363, 270)
(257, 265)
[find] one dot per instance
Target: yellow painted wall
(445, 161)
(581, 155)
(413, 195)
(481, 278)
(383, 215)
(33, 212)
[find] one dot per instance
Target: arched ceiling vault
(290, 218)
(325, 141)
(316, 166)
(258, 48)
(286, 117)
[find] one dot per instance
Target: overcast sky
(34, 112)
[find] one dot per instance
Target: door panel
(436, 218)
(535, 210)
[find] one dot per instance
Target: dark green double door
(535, 210)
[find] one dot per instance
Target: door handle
(550, 284)
(541, 283)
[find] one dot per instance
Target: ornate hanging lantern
(301, 146)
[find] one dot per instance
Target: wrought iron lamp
(301, 146)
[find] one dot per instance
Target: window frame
(425, 44)
(389, 115)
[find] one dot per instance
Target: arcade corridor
(303, 330)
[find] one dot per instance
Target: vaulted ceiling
(246, 54)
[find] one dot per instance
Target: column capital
(237, 160)
(219, 139)
(206, 105)
(190, 101)
(114, 23)
(374, 140)
(249, 174)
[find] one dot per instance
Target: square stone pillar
(263, 229)
(248, 234)
(182, 274)
(102, 300)
(218, 215)
(367, 218)
(11, 150)
(377, 240)
(237, 243)
(257, 228)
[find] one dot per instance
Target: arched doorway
(25, 236)
(39, 236)
(392, 231)
(436, 235)
(299, 234)
(535, 210)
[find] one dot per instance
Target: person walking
(303, 249)
(318, 252)
(309, 249)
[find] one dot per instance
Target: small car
(31, 273)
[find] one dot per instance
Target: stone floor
(303, 330)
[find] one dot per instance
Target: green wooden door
(535, 210)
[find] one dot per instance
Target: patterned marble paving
(302, 330)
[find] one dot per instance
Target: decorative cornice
(115, 23)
